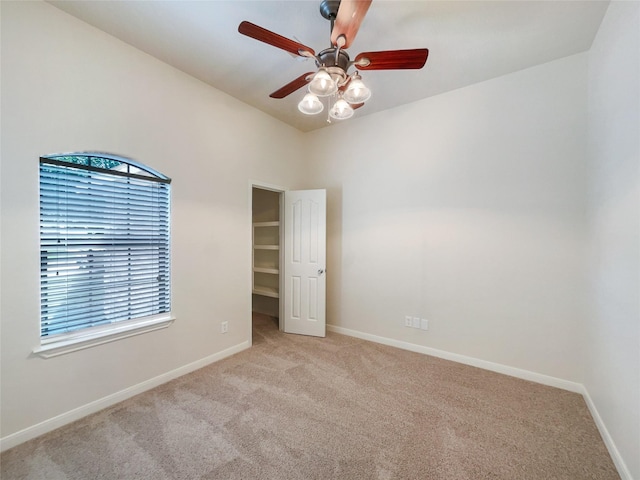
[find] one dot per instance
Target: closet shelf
(265, 265)
(266, 224)
(266, 270)
(266, 291)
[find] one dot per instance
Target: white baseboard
(511, 371)
(474, 362)
(620, 464)
(41, 428)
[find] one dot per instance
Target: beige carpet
(295, 407)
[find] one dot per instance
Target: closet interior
(265, 265)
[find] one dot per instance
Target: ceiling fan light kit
(357, 92)
(310, 105)
(331, 79)
(322, 84)
(341, 110)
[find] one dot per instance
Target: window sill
(80, 341)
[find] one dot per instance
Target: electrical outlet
(407, 321)
(424, 324)
(415, 322)
(224, 327)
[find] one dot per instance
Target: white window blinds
(104, 242)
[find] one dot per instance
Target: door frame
(279, 189)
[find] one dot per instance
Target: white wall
(613, 367)
(69, 87)
(466, 209)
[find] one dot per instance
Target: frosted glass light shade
(310, 104)
(341, 110)
(322, 84)
(357, 92)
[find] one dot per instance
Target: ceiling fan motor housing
(328, 58)
(337, 67)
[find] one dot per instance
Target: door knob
(320, 272)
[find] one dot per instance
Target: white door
(305, 262)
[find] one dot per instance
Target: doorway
(288, 262)
(266, 252)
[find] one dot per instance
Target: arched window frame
(104, 250)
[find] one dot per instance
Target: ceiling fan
(332, 78)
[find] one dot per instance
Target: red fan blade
(357, 105)
(392, 59)
(266, 36)
(348, 20)
(291, 87)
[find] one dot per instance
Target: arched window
(104, 244)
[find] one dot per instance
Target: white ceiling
(468, 42)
